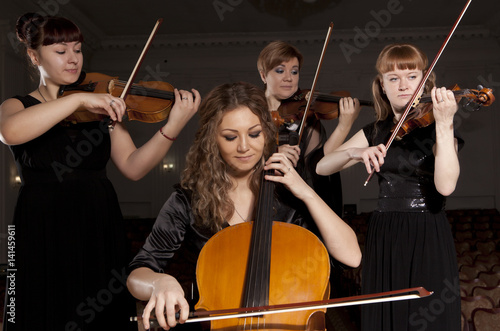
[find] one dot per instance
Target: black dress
(409, 241)
(70, 245)
(329, 188)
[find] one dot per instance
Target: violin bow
(311, 93)
(398, 295)
(139, 63)
(414, 99)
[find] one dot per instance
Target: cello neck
(258, 275)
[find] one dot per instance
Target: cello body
(299, 272)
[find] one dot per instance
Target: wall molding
(305, 37)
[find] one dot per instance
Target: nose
(287, 77)
(243, 145)
(73, 58)
(403, 84)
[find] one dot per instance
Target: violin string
(427, 98)
(145, 91)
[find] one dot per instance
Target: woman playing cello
(218, 189)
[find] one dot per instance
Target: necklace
(41, 94)
(236, 210)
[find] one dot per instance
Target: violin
(148, 102)
(414, 99)
(471, 100)
(323, 106)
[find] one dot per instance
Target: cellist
(232, 147)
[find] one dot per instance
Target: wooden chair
(489, 260)
(463, 226)
(486, 247)
(490, 278)
(464, 323)
(469, 272)
(468, 285)
(463, 235)
(471, 303)
(486, 319)
(462, 247)
(492, 292)
(481, 225)
(484, 234)
(464, 259)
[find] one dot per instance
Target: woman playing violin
(279, 65)
(409, 241)
(219, 187)
(70, 245)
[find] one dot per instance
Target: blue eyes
(395, 79)
(281, 71)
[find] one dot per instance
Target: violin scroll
(475, 99)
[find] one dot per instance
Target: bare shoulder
(10, 106)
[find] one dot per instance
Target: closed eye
(255, 135)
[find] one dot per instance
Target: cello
(269, 263)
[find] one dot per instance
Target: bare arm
(447, 166)
(348, 112)
(134, 163)
(19, 125)
(340, 240)
(351, 152)
(164, 293)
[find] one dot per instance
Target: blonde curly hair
(206, 173)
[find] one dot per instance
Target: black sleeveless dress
(409, 241)
(70, 262)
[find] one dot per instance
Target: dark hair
(206, 173)
(35, 30)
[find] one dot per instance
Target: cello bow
(390, 296)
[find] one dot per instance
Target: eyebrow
(249, 129)
(282, 65)
(65, 43)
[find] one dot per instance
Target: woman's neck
(47, 92)
(243, 201)
(272, 102)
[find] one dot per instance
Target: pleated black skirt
(411, 249)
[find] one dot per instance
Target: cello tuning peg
(480, 87)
